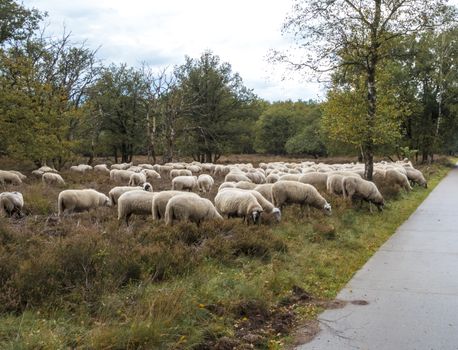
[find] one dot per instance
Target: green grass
(88, 283)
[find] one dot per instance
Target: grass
(89, 283)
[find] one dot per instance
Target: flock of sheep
(247, 192)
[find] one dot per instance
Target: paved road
(411, 285)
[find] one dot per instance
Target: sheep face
(327, 209)
(277, 214)
(107, 202)
(147, 187)
(256, 216)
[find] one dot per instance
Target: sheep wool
(52, 179)
(185, 183)
(356, 188)
(117, 191)
(7, 177)
(80, 200)
(160, 201)
(205, 183)
(11, 203)
(137, 202)
(185, 207)
(238, 204)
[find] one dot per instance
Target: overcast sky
(162, 32)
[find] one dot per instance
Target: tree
(217, 96)
(348, 33)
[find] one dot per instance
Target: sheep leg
(127, 219)
(370, 207)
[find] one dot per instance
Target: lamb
(101, 168)
(317, 180)
(185, 183)
(266, 205)
(160, 202)
(184, 207)
(284, 192)
(116, 192)
(416, 176)
(11, 203)
(7, 177)
(80, 200)
(353, 187)
(52, 179)
(238, 204)
(180, 172)
(205, 182)
(137, 202)
(120, 175)
(137, 179)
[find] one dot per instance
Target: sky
(162, 32)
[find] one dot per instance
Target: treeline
(58, 102)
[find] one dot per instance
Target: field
(91, 282)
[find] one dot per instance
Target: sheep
(9, 178)
(52, 179)
(317, 180)
(135, 169)
(236, 177)
(18, 173)
(238, 204)
(116, 192)
(137, 179)
(122, 166)
(272, 178)
(11, 203)
(194, 169)
(334, 184)
(245, 185)
(120, 175)
(137, 202)
(101, 168)
(180, 172)
(284, 192)
(391, 177)
(184, 207)
(151, 174)
(266, 205)
(37, 173)
(353, 187)
(146, 166)
(205, 182)
(416, 176)
(289, 177)
(80, 168)
(80, 200)
(265, 190)
(226, 185)
(256, 177)
(182, 183)
(160, 201)
(221, 170)
(47, 169)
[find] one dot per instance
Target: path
(411, 285)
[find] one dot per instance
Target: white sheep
(416, 176)
(185, 183)
(205, 183)
(265, 190)
(7, 177)
(245, 185)
(357, 188)
(47, 169)
(160, 202)
(11, 203)
(146, 166)
(272, 178)
(186, 207)
(180, 172)
(80, 200)
(52, 179)
(284, 192)
(120, 175)
(18, 173)
(122, 166)
(137, 202)
(151, 175)
(317, 180)
(236, 177)
(117, 191)
(137, 179)
(101, 168)
(289, 177)
(238, 204)
(226, 185)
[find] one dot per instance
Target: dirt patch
(359, 302)
(306, 333)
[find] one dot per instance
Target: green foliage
(16, 21)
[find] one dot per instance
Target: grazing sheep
(334, 184)
(194, 169)
(256, 177)
(11, 203)
(7, 177)
(272, 178)
(221, 170)
(180, 172)
(122, 166)
(18, 173)
(135, 169)
(101, 168)
(146, 166)
(416, 176)
(151, 174)
(185, 207)
(284, 192)
(356, 188)
(37, 173)
(47, 169)
(79, 200)
(120, 175)
(116, 192)
(185, 183)
(52, 179)
(137, 179)
(265, 190)
(236, 177)
(317, 180)
(245, 185)
(226, 185)
(160, 202)
(238, 204)
(137, 202)
(205, 183)
(394, 177)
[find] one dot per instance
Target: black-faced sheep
(80, 200)
(185, 207)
